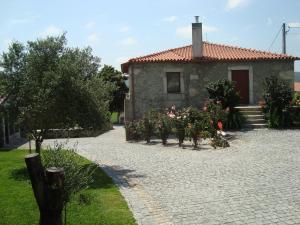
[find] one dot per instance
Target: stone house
(297, 82)
(179, 76)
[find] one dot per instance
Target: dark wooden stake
(48, 189)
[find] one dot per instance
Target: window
(173, 82)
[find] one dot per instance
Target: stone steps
(254, 117)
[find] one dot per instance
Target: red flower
(220, 125)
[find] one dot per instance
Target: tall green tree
(50, 85)
(113, 76)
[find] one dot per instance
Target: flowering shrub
(199, 125)
(216, 115)
(296, 100)
(219, 141)
(134, 131)
(149, 124)
(180, 123)
(223, 92)
(186, 123)
(164, 127)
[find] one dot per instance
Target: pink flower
(171, 115)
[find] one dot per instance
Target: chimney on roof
(197, 45)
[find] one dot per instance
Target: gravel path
(255, 181)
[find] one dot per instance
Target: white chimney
(197, 45)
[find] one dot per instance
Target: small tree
(278, 97)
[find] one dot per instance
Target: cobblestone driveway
(255, 181)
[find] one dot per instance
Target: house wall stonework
(148, 83)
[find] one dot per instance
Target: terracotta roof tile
(211, 52)
(297, 86)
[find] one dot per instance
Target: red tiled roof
(297, 86)
(211, 52)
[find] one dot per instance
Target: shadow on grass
(20, 174)
(101, 179)
(122, 177)
(6, 149)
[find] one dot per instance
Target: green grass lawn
(102, 202)
(114, 118)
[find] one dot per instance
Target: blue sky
(118, 30)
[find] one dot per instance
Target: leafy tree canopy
(50, 85)
(111, 75)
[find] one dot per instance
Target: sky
(119, 30)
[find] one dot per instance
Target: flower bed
(185, 124)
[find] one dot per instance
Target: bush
(235, 119)
(149, 121)
(164, 127)
(224, 91)
(189, 122)
(296, 100)
(179, 123)
(216, 114)
(278, 97)
(134, 130)
(77, 176)
(198, 127)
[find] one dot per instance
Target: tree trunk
(50, 218)
(47, 188)
(38, 145)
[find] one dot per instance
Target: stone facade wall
(148, 82)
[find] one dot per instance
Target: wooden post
(37, 177)
(48, 189)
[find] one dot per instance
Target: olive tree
(49, 85)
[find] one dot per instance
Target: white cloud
(186, 31)
(170, 19)
(128, 41)
(269, 21)
(90, 25)
(232, 4)
(93, 38)
(294, 24)
(124, 29)
(52, 31)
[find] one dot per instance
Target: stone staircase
(254, 116)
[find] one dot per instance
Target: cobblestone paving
(255, 181)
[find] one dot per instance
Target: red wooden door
(241, 79)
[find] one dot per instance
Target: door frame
(250, 69)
